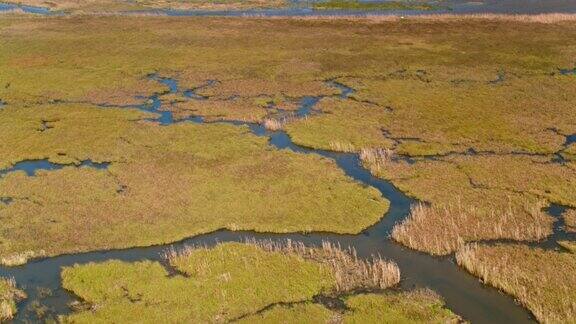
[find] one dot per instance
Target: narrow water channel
(463, 293)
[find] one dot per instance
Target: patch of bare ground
(542, 280)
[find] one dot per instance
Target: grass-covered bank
(373, 5)
(9, 295)
(542, 280)
(240, 281)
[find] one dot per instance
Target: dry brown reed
(441, 230)
(342, 147)
(350, 271)
(542, 280)
(275, 124)
(17, 259)
(376, 158)
(9, 294)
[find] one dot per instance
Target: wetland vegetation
(473, 118)
(542, 280)
(236, 281)
(9, 295)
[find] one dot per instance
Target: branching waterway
(463, 293)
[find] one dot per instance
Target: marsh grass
(416, 306)
(342, 146)
(568, 245)
(570, 219)
(215, 284)
(549, 18)
(376, 5)
(9, 295)
(351, 273)
(377, 159)
(164, 183)
(441, 230)
(542, 280)
(21, 258)
(275, 124)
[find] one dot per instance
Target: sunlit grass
(9, 295)
(419, 306)
(542, 280)
(164, 183)
(221, 284)
(373, 5)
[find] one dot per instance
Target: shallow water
(462, 292)
(570, 139)
(301, 8)
(31, 166)
(27, 9)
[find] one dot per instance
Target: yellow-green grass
(163, 184)
(420, 306)
(306, 313)
(475, 197)
(244, 109)
(87, 58)
(541, 280)
(433, 75)
(569, 245)
(377, 5)
(428, 118)
(342, 126)
(239, 281)
(223, 283)
(351, 273)
(9, 295)
(229, 281)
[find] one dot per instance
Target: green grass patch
(223, 283)
(372, 5)
(240, 281)
(419, 306)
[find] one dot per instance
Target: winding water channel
(463, 293)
